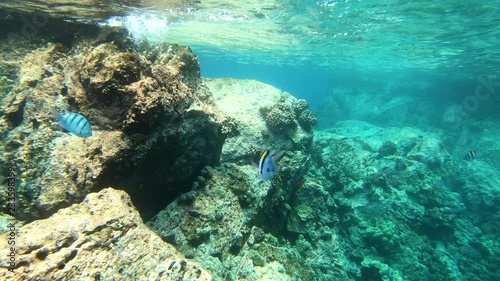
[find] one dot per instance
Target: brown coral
(279, 118)
(122, 93)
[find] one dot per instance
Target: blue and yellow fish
(75, 123)
(267, 164)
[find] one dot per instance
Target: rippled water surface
(441, 37)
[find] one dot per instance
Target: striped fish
(75, 123)
(471, 155)
(267, 164)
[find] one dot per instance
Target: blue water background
(314, 85)
(304, 83)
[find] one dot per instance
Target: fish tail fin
(53, 113)
(48, 112)
(258, 180)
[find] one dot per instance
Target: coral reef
(394, 193)
(370, 198)
(243, 102)
(304, 114)
(122, 92)
(101, 238)
(279, 117)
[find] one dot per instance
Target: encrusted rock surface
(248, 103)
(102, 238)
(380, 193)
(156, 94)
(216, 223)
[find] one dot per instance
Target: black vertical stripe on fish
(471, 155)
(87, 126)
(76, 120)
(63, 118)
(72, 118)
(77, 126)
(262, 159)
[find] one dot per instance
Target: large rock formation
(155, 125)
(102, 238)
(266, 117)
(226, 221)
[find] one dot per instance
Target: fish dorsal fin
(276, 156)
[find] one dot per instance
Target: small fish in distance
(138, 137)
(471, 155)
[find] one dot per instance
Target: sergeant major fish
(75, 123)
(471, 155)
(267, 164)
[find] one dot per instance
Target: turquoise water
(308, 47)
(377, 181)
(441, 37)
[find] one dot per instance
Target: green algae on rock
(121, 92)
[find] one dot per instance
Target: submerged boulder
(214, 224)
(101, 238)
(263, 115)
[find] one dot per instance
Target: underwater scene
(250, 140)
